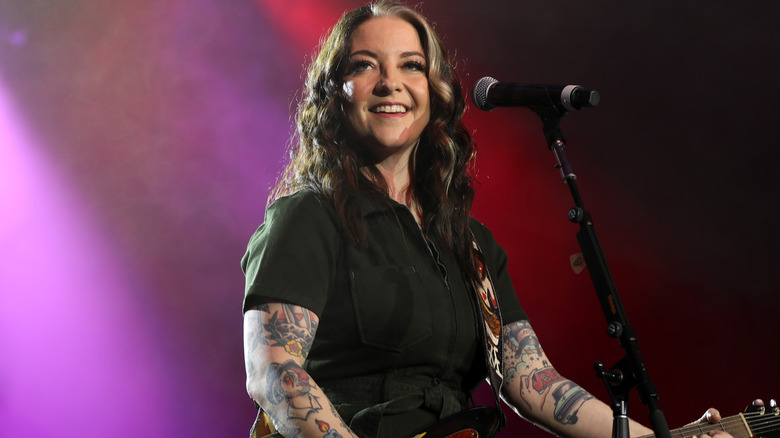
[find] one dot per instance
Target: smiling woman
(374, 305)
(367, 239)
(386, 89)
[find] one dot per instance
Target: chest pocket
(392, 309)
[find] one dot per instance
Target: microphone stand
(631, 370)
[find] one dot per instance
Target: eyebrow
(373, 55)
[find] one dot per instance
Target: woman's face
(386, 86)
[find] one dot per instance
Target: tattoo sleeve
(290, 327)
(277, 340)
(289, 382)
(530, 375)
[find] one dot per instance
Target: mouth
(389, 109)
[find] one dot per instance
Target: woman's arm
(277, 339)
(537, 392)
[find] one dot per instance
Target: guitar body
(468, 433)
(479, 422)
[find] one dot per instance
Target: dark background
(139, 141)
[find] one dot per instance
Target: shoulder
(301, 210)
(491, 249)
(292, 256)
(296, 219)
(481, 233)
(301, 203)
(497, 261)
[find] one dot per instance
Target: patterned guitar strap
(490, 321)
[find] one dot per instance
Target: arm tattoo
(325, 427)
(569, 398)
(289, 382)
(526, 366)
(521, 348)
(292, 328)
(285, 428)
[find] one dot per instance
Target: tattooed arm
(277, 339)
(537, 392)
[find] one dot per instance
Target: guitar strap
(490, 321)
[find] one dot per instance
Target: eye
(359, 66)
(414, 65)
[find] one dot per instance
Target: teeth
(392, 109)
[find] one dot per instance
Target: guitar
(482, 422)
(756, 421)
(479, 422)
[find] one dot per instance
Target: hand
(712, 416)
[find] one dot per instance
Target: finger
(716, 434)
(711, 416)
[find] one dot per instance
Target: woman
(361, 317)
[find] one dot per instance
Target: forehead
(386, 34)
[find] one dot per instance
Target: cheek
(425, 103)
(351, 117)
(355, 98)
(349, 91)
(422, 97)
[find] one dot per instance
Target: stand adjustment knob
(576, 214)
(615, 329)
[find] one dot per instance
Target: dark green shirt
(397, 345)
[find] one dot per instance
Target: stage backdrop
(138, 142)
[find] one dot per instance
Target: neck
(398, 180)
(396, 171)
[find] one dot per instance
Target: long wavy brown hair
(323, 159)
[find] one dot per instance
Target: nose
(388, 82)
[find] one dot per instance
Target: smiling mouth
(389, 109)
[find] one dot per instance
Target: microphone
(488, 94)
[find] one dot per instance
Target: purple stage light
(78, 356)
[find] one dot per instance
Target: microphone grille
(479, 93)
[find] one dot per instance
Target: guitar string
(767, 425)
(772, 423)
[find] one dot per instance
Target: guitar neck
(747, 425)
